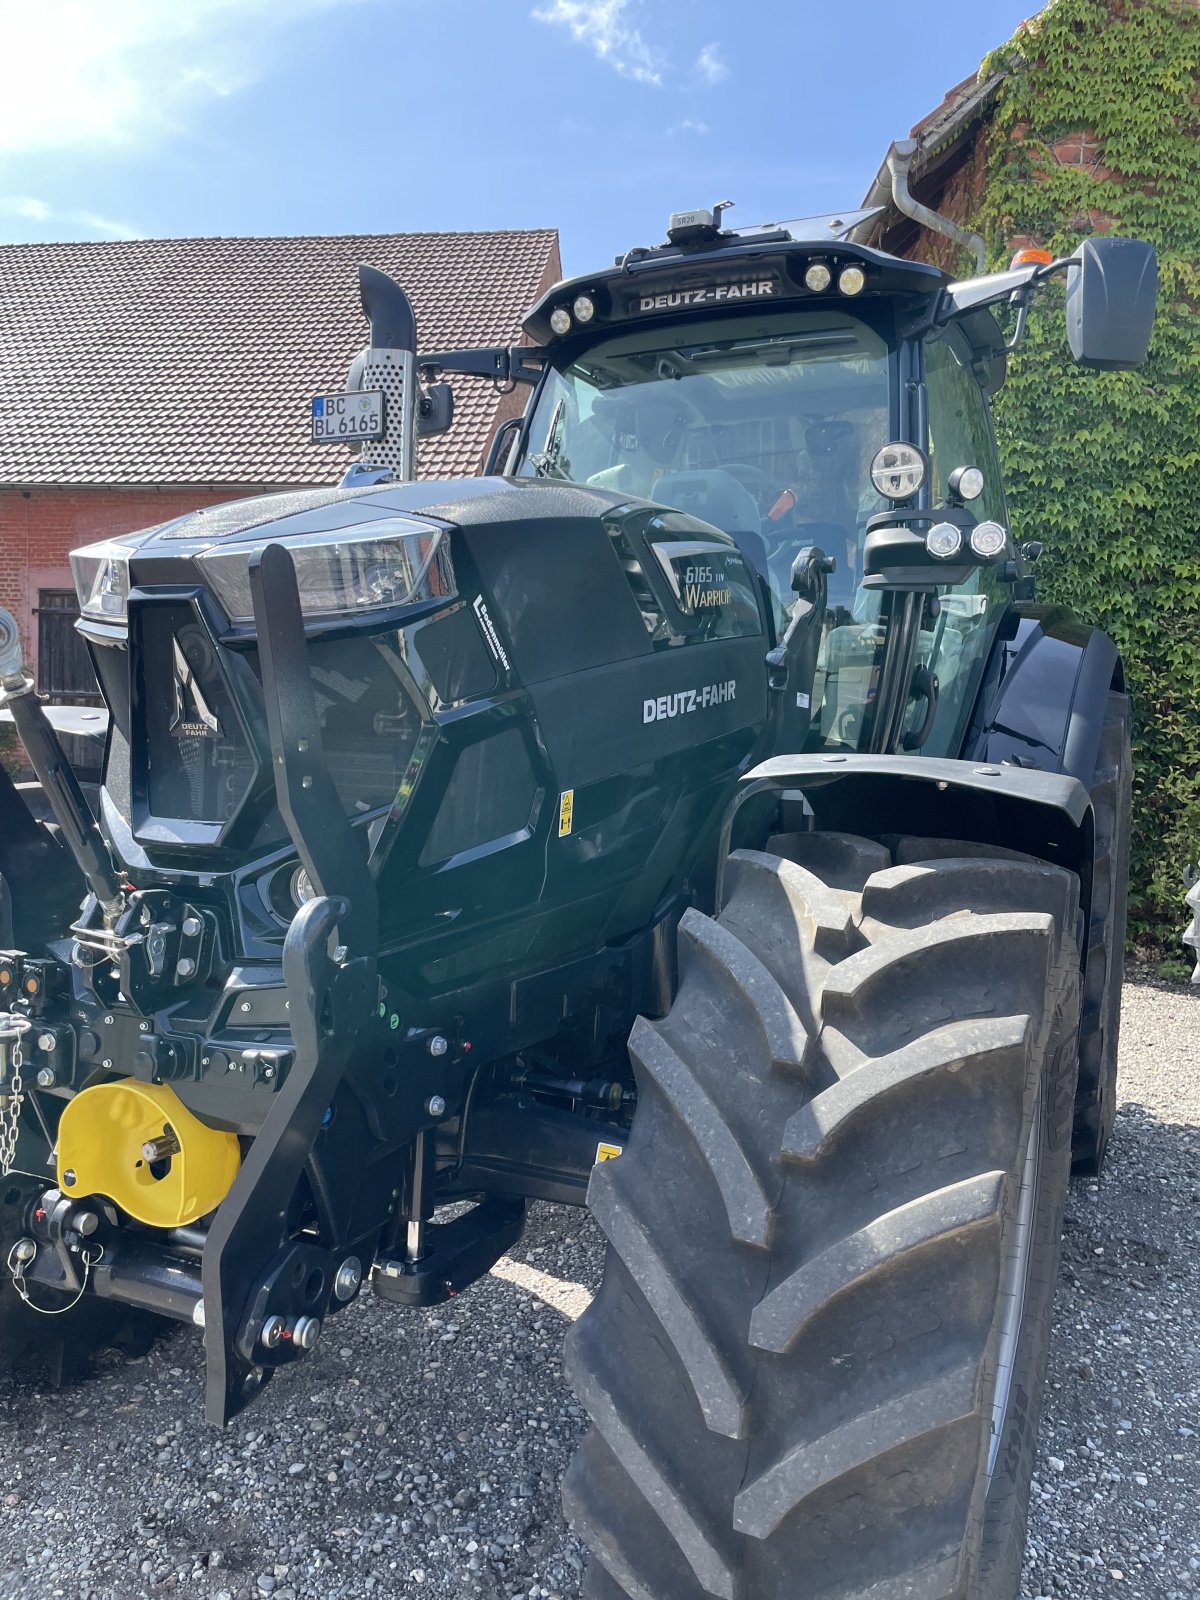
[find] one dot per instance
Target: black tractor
(695, 817)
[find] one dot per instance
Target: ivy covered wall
(1096, 128)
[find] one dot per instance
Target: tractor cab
(801, 391)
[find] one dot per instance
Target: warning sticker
(607, 1152)
(566, 810)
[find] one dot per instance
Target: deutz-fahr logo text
(714, 294)
(685, 701)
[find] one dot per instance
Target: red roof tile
(159, 361)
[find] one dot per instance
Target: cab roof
(733, 269)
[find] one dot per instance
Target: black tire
(792, 1361)
(1100, 1021)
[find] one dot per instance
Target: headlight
(584, 309)
(101, 573)
(898, 471)
(818, 277)
(560, 320)
(944, 540)
(374, 567)
(988, 540)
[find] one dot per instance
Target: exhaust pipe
(389, 363)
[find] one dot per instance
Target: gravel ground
(420, 1454)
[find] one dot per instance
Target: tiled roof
(160, 361)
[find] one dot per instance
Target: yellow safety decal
(608, 1152)
(138, 1145)
(566, 810)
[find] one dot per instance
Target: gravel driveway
(419, 1454)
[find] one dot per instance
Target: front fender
(1042, 814)
(1044, 694)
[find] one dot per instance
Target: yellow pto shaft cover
(138, 1145)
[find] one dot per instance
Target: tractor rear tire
(1100, 1023)
(814, 1367)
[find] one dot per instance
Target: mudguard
(1044, 694)
(1038, 813)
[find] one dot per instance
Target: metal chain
(11, 1103)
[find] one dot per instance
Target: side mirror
(435, 410)
(1111, 297)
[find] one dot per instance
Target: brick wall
(40, 527)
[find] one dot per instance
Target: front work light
(818, 277)
(988, 540)
(560, 320)
(852, 280)
(965, 483)
(584, 309)
(898, 471)
(375, 566)
(944, 540)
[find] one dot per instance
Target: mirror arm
(502, 363)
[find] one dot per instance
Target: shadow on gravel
(416, 1454)
(1116, 1497)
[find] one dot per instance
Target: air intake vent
(199, 765)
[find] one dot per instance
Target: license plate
(346, 417)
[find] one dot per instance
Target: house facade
(140, 380)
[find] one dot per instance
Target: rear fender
(1044, 694)
(1047, 815)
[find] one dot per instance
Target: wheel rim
(1014, 1285)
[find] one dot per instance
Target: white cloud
(601, 25)
(711, 66)
(88, 73)
(688, 125)
(34, 210)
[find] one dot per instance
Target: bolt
(47, 1042)
(435, 1105)
(198, 1313)
(987, 772)
(306, 782)
(245, 1006)
(107, 1063)
(46, 1078)
(143, 1027)
(273, 1330)
(191, 927)
(305, 1332)
(108, 1022)
(204, 1060)
(438, 1045)
(69, 1177)
(347, 1279)
(85, 1222)
(185, 968)
(24, 1251)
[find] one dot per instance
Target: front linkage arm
(264, 1293)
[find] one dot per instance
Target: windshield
(765, 427)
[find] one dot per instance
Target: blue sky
(127, 118)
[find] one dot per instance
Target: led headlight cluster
(101, 574)
(818, 275)
(988, 540)
(373, 566)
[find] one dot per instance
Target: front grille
(199, 765)
(368, 723)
